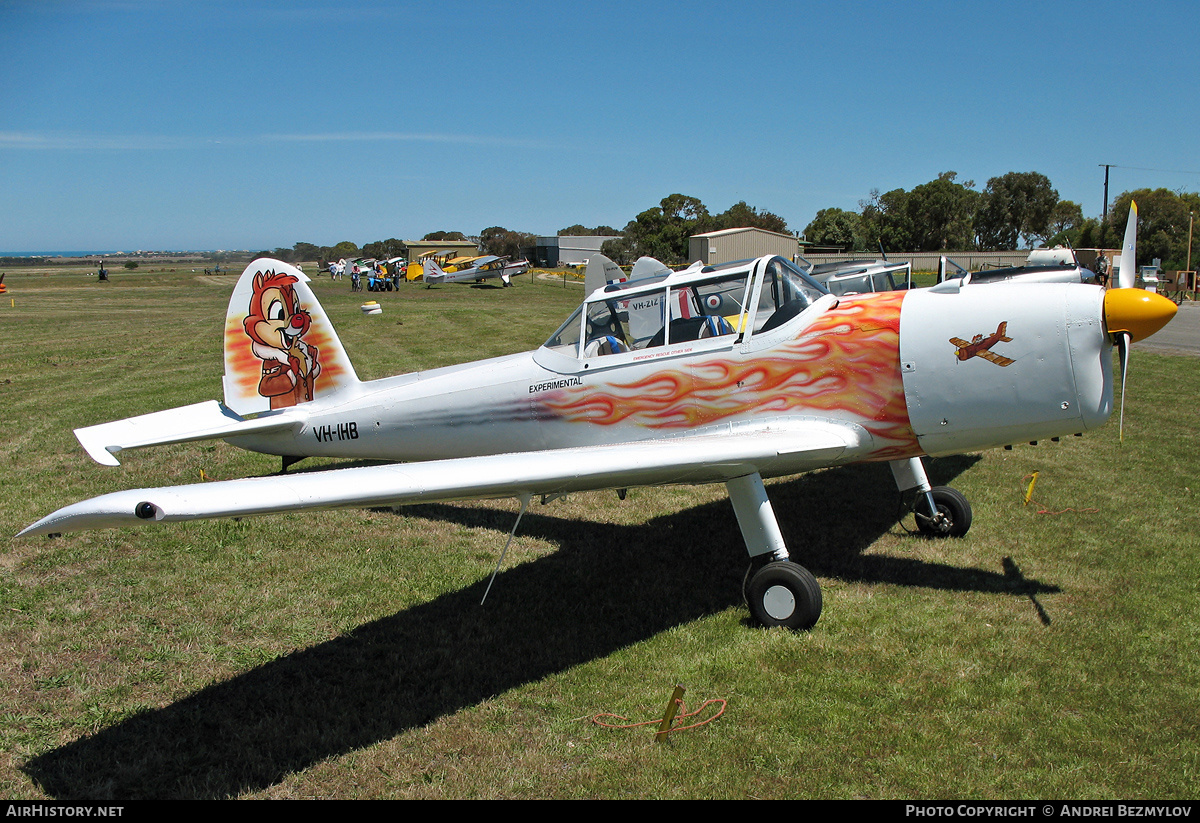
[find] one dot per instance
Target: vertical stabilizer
(433, 272)
(280, 347)
(600, 272)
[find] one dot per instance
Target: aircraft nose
(1136, 312)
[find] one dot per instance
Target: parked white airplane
(484, 268)
(712, 375)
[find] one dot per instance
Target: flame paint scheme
(710, 375)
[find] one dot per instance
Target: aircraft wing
(687, 460)
(201, 421)
(998, 359)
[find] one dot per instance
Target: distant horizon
(98, 253)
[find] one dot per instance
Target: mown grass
(1049, 653)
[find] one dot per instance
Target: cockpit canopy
(734, 300)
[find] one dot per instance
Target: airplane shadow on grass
(607, 586)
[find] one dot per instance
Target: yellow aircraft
(416, 269)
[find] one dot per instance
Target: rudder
(280, 347)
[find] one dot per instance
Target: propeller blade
(1123, 341)
(1127, 277)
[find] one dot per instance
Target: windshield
(695, 308)
(785, 292)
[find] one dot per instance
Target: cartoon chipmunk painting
(276, 323)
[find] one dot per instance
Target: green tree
(344, 250)
(836, 227)
(1066, 225)
(505, 243)
(1162, 224)
(385, 249)
(934, 216)
(885, 221)
(583, 231)
(740, 215)
(1015, 206)
(942, 214)
(622, 251)
(307, 251)
(663, 231)
(444, 235)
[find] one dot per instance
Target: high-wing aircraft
(479, 269)
(726, 374)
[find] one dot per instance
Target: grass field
(1051, 653)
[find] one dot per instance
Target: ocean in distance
(96, 253)
(87, 253)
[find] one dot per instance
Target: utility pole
(1191, 217)
(1106, 167)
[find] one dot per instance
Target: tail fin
(280, 347)
(600, 272)
(1002, 330)
(433, 272)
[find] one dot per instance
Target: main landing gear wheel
(953, 515)
(783, 593)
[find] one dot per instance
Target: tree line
(661, 231)
(1013, 210)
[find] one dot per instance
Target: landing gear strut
(942, 512)
(779, 592)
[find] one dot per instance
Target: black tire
(783, 593)
(953, 513)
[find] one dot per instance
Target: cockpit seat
(785, 313)
(715, 326)
(684, 329)
(607, 344)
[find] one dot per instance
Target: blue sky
(152, 124)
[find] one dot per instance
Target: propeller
(1131, 313)
(1127, 279)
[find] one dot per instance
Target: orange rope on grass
(1032, 478)
(683, 714)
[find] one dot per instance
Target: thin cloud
(34, 141)
(410, 137)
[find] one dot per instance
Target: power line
(1140, 168)
(1107, 166)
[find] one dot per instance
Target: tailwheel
(783, 593)
(952, 517)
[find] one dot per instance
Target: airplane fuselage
(878, 365)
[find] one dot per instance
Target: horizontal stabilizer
(202, 421)
(690, 460)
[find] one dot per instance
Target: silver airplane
(725, 374)
(483, 268)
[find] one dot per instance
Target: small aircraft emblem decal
(981, 346)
